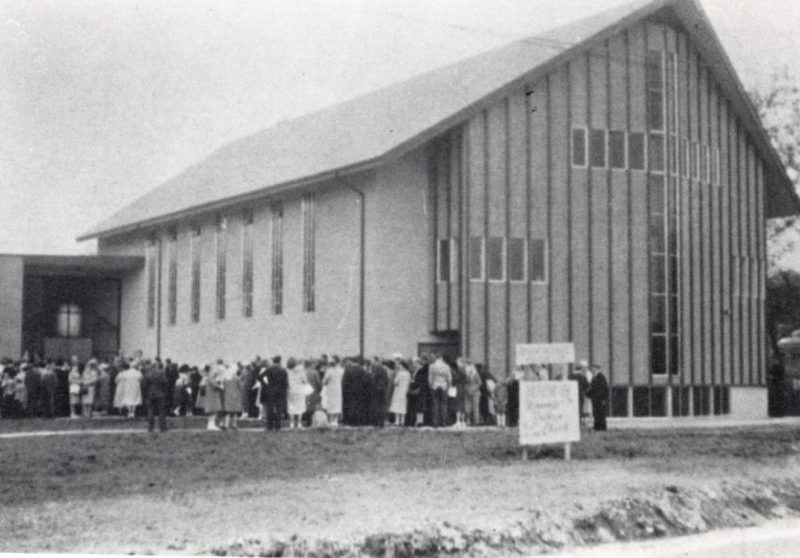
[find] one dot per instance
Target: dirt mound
(670, 511)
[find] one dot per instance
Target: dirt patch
(671, 511)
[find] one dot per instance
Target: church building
(605, 183)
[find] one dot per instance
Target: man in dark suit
(155, 387)
(274, 383)
(379, 385)
(598, 393)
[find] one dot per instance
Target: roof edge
(262, 192)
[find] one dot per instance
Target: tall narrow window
(695, 160)
(307, 209)
(537, 259)
(152, 256)
(579, 147)
(655, 152)
(172, 278)
(636, 151)
(495, 258)
(247, 264)
(222, 255)
(196, 251)
(715, 168)
(277, 259)
(654, 70)
(476, 258)
(597, 151)
(685, 157)
(516, 259)
(445, 259)
(616, 149)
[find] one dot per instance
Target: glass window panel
(654, 72)
(657, 271)
(476, 257)
(655, 185)
(444, 259)
(695, 160)
(516, 259)
(636, 150)
(655, 110)
(598, 148)
(537, 255)
(616, 148)
(658, 354)
(495, 257)
(673, 315)
(684, 157)
(705, 162)
(655, 152)
(579, 147)
(674, 268)
(656, 234)
(641, 401)
(673, 154)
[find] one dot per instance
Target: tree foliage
(782, 305)
(778, 105)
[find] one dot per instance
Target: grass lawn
(216, 486)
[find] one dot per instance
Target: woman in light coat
(75, 388)
(332, 392)
(214, 403)
(89, 383)
(299, 389)
(232, 395)
(400, 385)
(128, 392)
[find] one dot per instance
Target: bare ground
(392, 492)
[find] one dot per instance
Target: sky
(102, 101)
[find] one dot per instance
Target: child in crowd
(319, 420)
(501, 401)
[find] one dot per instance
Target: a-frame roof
(378, 126)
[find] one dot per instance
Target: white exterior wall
(397, 277)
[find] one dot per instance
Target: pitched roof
(370, 128)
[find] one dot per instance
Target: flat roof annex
(379, 126)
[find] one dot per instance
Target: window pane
(537, 256)
(657, 234)
(655, 185)
(476, 257)
(444, 259)
(706, 161)
(196, 276)
(636, 150)
(494, 257)
(579, 147)
(598, 148)
(516, 259)
(695, 160)
(657, 278)
(673, 154)
(655, 110)
(654, 69)
(684, 157)
(673, 314)
(616, 148)
(655, 152)
(658, 355)
(674, 267)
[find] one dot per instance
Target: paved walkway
(140, 427)
(775, 539)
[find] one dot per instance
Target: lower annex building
(605, 183)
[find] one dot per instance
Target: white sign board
(545, 353)
(548, 412)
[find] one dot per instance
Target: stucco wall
(397, 272)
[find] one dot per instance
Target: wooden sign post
(548, 410)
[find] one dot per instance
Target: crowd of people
(325, 392)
